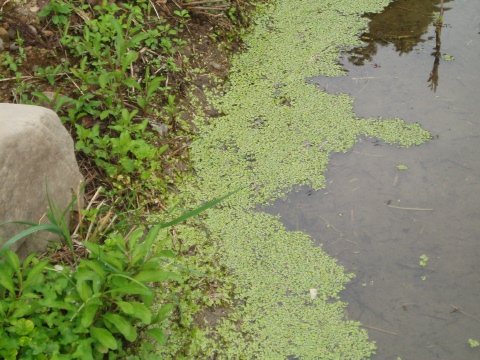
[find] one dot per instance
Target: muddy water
(378, 220)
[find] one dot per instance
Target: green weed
(99, 304)
(119, 59)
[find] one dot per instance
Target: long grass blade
(195, 212)
(45, 227)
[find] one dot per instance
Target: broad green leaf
(105, 113)
(67, 333)
(137, 39)
(104, 337)
(95, 266)
(28, 260)
(84, 290)
(94, 248)
(131, 83)
(127, 164)
(88, 314)
(119, 241)
(162, 313)
(114, 262)
(151, 236)
(100, 348)
(33, 275)
(148, 298)
(152, 264)
(122, 325)
(21, 309)
(158, 335)
(41, 96)
(84, 350)
(23, 326)
(142, 102)
(166, 254)
(24, 341)
(128, 59)
(135, 238)
(61, 100)
(133, 289)
(141, 312)
(153, 85)
(162, 149)
(126, 307)
(103, 80)
(157, 276)
(14, 262)
(139, 252)
(6, 279)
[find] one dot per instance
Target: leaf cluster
(116, 69)
(97, 307)
(111, 301)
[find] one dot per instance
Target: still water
(411, 235)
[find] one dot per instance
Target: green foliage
(88, 310)
(98, 305)
(120, 81)
(58, 11)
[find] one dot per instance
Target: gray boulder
(36, 154)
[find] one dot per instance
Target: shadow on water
(378, 218)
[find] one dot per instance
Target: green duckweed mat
(277, 131)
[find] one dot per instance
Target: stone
(4, 34)
(36, 155)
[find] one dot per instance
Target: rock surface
(36, 153)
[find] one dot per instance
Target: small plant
(58, 11)
(423, 260)
(184, 16)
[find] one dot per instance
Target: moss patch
(278, 131)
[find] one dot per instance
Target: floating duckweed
(279, 131)
(423, 260)
(473, 343)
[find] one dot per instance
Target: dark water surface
(378, 220)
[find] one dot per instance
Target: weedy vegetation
(124, 280)
(114, 72)
(111, 299)
(122, 69)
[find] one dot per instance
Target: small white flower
(58, 268)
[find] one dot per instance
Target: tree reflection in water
(402, 24)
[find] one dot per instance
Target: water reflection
(403, 24)
(374, 215)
